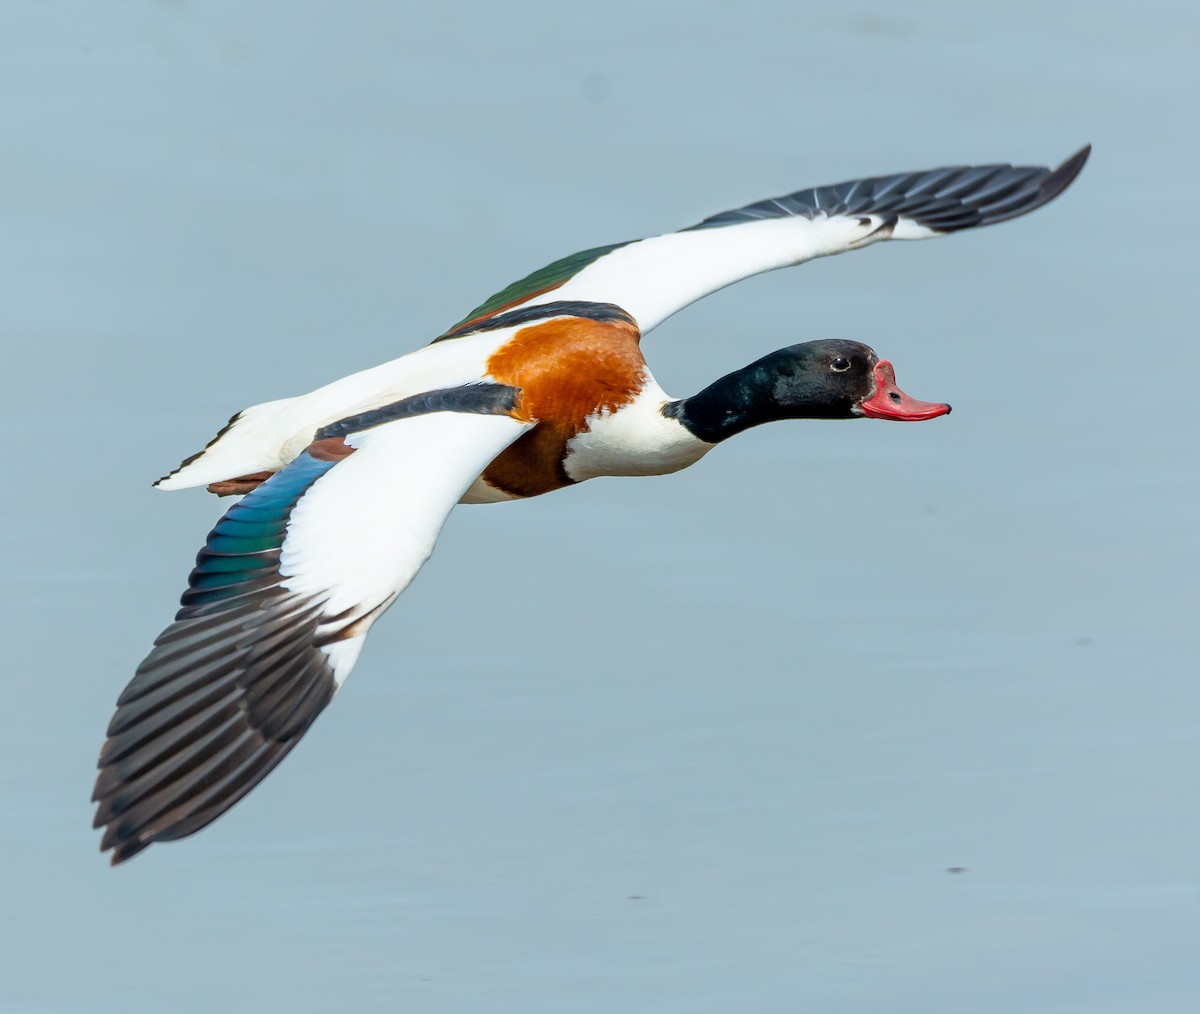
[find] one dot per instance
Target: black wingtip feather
(213, 716)
(1034, 192)
(947, 199)
(1065, 174)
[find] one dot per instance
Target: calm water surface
(706, 743)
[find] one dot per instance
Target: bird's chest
(636, 439)
(569, 371)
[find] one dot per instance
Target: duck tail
(250, 442)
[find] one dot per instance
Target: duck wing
(653, 278)
(278, 605)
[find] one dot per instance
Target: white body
(637, 440)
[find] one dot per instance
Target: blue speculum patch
(243, 545)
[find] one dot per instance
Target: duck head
(829, 379)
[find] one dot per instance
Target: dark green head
(828, 379)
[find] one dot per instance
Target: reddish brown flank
(567, 370)
(570, 368)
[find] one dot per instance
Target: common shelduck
(542, 386)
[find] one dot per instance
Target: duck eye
(840, 365)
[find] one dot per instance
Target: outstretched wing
(653, 278)
(276, 611)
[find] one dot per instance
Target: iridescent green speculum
(549, 277)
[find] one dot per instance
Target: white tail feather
(250, 442)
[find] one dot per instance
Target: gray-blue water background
(706, 743)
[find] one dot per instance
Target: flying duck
(543, 385)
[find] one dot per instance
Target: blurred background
(845, 718)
